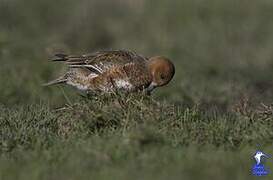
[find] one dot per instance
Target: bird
(114, 70)
(258, 155)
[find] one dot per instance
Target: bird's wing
(100, 61)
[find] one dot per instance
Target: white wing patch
(123, 84)
(96, 67)
(92, 75)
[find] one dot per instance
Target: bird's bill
(151, 87)
(264, 155)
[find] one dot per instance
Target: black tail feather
(70, 59)
(60, 57)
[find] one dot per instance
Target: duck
(114, 70)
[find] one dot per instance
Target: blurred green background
(205, 124)
(221, 49)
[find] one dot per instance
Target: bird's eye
(162, 76)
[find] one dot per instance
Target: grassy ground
(206, 124)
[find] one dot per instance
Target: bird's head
(260, 154)
(161, 69)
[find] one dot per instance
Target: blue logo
(258, 169)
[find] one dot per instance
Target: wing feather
(100, 61)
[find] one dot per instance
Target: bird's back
(106, 70)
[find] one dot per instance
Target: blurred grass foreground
(206, 123)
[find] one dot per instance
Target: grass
(133, 137)
(206, 124)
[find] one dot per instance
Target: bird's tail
(59, 80)
(69, 59)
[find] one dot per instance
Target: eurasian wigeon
(110, 71)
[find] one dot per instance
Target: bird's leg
(115, 89)
(146, 92)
